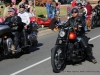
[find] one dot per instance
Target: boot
(90, 55)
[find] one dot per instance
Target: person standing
(5, 14)
(52, 10)
(22, 2)
(30, 9)
(57, 8)
(89, 10)
(13, 1)
(83, 2)
(48, 9)
(13, 5)
(73, 3)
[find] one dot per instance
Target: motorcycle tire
(53, 53)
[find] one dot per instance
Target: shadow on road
(18, 55)
(35, 48)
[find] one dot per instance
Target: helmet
(80, 4)
(74, 10)
(22, 6)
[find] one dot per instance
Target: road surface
(37, 61)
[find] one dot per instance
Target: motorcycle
(33, 31)
(67, 48)
(7, 38)
(95, 19)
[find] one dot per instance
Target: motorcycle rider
(97, 7)
(76, 20)
(14, 21)
(96, 13)
(26, 20)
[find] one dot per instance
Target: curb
(45, 32)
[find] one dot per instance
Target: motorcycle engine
(75, 53)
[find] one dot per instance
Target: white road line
(94, 38)
(42, 61)
(30, 66)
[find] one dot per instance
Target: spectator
(8, 5)
(57, 8)
(30, 9)
(22, 2)
(13, 1)
(48, 9)
(73, 3)
(52, 10)
(13, 5)
(26, 7)
(76, 6)
(89, 10)
(62, 2)
(83, 2)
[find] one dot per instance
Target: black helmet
(74, 10)
(80, 4)
(22, 6)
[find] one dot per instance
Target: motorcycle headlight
(62, 33)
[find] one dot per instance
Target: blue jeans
(84, 23)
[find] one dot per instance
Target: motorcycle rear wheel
(57, 59)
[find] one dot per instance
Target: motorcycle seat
(4, 29)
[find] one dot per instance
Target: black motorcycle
(7, 38)
(32, 32)
(67, 48)
(31, 36)
(95, 19)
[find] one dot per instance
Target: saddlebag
(4, 29)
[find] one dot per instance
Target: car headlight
(62, 33)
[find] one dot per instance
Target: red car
(40, 21)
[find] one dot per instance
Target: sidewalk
(44, 31)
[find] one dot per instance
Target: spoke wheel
(57, 59)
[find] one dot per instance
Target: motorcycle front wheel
(57, 59)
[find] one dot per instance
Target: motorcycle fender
(8, 43)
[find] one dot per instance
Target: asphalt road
(37, 61)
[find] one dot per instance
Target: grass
(42, 10)
(39, 10)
